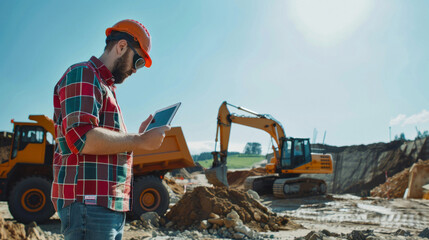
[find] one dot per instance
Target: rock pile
(361, 235)
(424, 233)
(19, 231)
(229, 212)
(154, 226)
(396, 185)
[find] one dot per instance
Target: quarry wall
(359, 168)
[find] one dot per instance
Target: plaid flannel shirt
(84, 98)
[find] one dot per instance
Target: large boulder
(419, 176)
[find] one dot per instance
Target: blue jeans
(91, 222)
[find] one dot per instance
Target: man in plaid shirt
(93, 157)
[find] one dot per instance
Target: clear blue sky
(350, 68)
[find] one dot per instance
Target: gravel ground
(339, 214)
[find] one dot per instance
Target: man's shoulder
(79, 72)
(82, 66)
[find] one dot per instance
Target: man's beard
(120, 70)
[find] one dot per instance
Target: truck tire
(30, 200)
(149, 195)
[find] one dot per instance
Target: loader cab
(295, 152)
(25, 136)
(31, 144)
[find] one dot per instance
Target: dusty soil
(339, 214)
(236, 178)
(175, 187)
(396, 185)
(198, 204)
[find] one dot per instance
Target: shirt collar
(104, 72)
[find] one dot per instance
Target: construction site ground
(338, 214)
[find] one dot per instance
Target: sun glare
(328, 22)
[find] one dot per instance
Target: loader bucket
(217, 176)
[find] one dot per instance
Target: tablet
(163, 116)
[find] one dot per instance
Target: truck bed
(172, 154)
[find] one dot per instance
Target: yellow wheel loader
(292, 157)
(26, 170)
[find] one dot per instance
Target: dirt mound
(202, 202)
(175, 187)
(396, 185)
(236, 178)
(11, 230)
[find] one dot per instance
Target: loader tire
(149, 195)
(30, 200)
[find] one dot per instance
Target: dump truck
(26, 170)
(292, 157)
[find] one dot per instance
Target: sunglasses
(138, 60)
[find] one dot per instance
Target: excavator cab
(295, 152)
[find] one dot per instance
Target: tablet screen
(163, 116)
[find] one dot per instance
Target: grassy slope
(236, 161)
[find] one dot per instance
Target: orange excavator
(292, 157)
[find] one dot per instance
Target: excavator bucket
(217, 175)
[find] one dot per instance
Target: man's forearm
(100, 141)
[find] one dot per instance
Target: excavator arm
(217, 174)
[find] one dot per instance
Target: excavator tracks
(298, 187)
(285, 187)
(260, 184)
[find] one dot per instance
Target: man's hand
(145, 123)
(153, 138)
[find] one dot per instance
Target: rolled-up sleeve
(80, 97)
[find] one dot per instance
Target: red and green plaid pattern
(84, 98)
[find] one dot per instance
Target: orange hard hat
(140, 34)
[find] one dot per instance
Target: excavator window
(302, 154)
(307, 151)
(286, 154)
(298, 153)
(295, 152)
